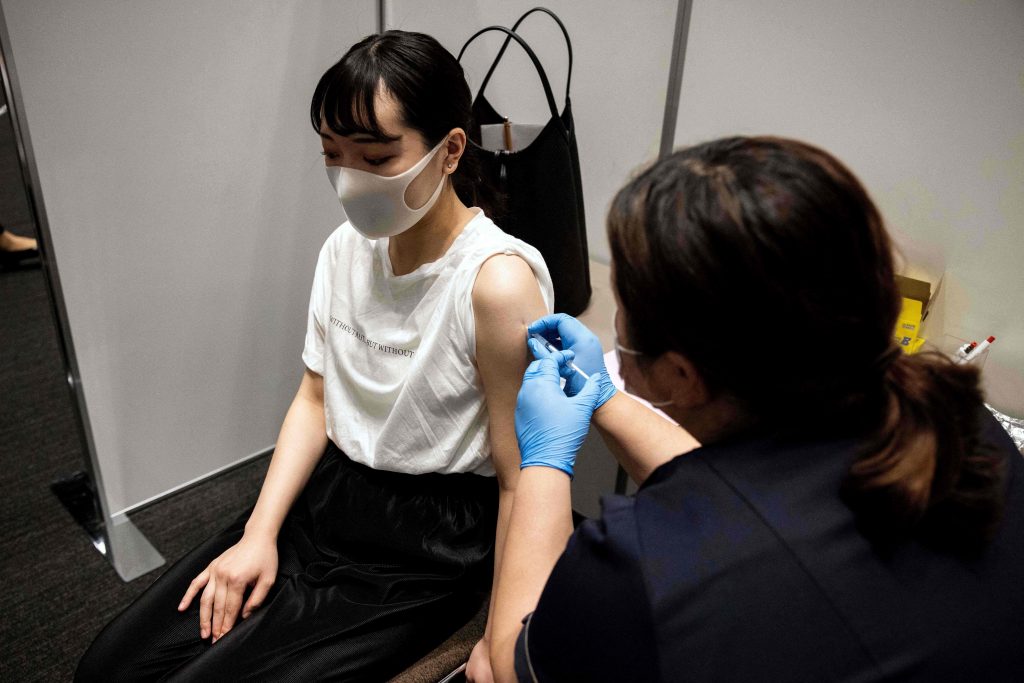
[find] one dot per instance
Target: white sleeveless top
(398, 353)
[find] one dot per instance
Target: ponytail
(925, 473)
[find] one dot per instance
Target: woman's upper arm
(506, 298)
(311, 387)
(319, 307)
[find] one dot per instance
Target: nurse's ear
(455, 148)
(681, 382)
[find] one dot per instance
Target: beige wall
(924, 99)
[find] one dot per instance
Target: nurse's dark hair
(424, 79)
(766, 264)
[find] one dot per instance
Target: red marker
(977, 350)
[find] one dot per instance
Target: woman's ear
(456, 147)
(682, 382)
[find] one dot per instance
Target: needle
(551, 347)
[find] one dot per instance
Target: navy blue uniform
(740, 562)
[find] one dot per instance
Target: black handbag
(541, 182)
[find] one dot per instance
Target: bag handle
(515, 26)
(536, 63)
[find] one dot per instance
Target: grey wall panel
(622, 52)
(187, 203)
(925, 101)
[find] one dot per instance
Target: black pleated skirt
(375, 570)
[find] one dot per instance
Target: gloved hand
(551, 426)
(586, 351)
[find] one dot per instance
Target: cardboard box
(917, 303)
(908, 324)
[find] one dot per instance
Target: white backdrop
(924, 100)
(187, 203)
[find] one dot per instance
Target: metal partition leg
(128, 550)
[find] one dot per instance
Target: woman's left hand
(551, 426)
(478, 670)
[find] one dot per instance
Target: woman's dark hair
(778, 237)
(424, 79)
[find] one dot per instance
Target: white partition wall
(924, 100)
(186, 202)
(622, 52)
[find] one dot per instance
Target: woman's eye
(329, 155)
(377, 162)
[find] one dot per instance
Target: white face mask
(375, 204)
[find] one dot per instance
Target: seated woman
(373, 536)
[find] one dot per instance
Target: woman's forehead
(385, 124)
(388, 112)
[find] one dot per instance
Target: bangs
(344, 97)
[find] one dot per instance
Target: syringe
(551, 348)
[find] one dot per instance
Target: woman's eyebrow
(368, 138)
(362, 138)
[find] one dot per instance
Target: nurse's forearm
(540, 525)
(639, 438)
(300, 444)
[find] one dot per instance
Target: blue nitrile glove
(585, 346)
(551, 426)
